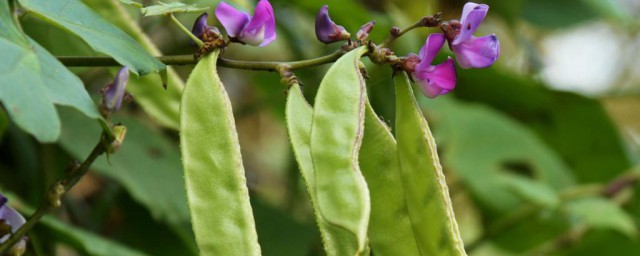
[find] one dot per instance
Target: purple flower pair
(470, 51)
(258, 30)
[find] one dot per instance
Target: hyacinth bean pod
(217, 194)
(390, 231)
(299, 113)
(426, 190)
(336, 135)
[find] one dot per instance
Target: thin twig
(427, 21)
(185, 30)
(56, 192)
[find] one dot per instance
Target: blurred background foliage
(533, 147)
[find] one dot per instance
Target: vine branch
(76, 61)
(74, 173)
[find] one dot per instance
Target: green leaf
(426, 190)
(161, 105)
(336, 135)
(103, 36)
(299, 114)
(174, 7)
(601, 213)
(390, 229)
(534, 191)
(131, 2)
(216, 186)
(33, 81)
(485, 148)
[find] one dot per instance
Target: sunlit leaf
(33, 81)
(601, 213)
(216, 186)
(103, 36)
(426, 190)
(174, 7)
(336, 135)
(162, 105)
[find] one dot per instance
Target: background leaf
(175, 7)
(104, 37)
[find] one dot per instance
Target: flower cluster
(470, 51)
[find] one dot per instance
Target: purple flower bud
(113, 93)
(434, 80)
(363, 33)
(258, 30)
(326, 30)
(200, 25)
(11, 221)
(471, 51)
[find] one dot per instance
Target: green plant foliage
(600, 213)
(577, 128)
(162, 105)
(214, 175)
(426, 190)
(33, 81)
(104, 37)
(336, 136)
(466, 131)
(299, 114)
(390, 229)
(175, 7)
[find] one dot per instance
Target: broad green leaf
(390, 230)
(536, 192)
(214, 175)
(601, 213)
(33, 81)
(577, 128)
(103, 36)
(426, 190)
(166, 8)
(299, 114)
(161, 105)
(485, 148)
(336, 136)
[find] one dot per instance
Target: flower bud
(113, 93)
(10, 222)
(326, 30)
(363, 33)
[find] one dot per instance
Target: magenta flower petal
(472, 15)
(261, 29)
(477, 52)
(430, 49)
(231, 19)
(436, 80)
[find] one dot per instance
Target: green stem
(70, 61)
(428, 21)
(186, 30)
(53, 199)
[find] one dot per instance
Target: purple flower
(202, 30)
(113, 93)
(434, 80)
(10, 222)
(471, 51)
(258, 30)
(326, 30)
(363, 32)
